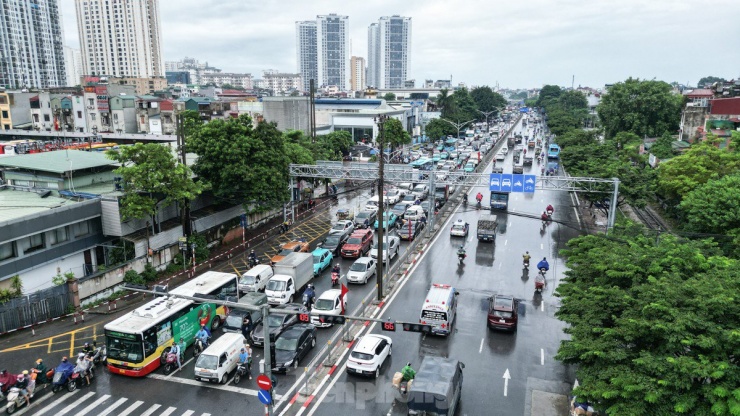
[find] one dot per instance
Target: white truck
(291, 274)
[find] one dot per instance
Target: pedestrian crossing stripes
(94, 404)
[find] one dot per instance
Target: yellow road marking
(51, 339)
(72, 345)
(48, 342)
(237, 271)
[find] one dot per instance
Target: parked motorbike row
(66, 375)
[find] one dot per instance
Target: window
(92, 116)
(59, 235)
(36, 242)
(46, 117)
(35, 118)
(79, 114)
(90, 101)
(5, 114)
(7, 251)
(83, 228)
(150, 341)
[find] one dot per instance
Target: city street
(527, 354)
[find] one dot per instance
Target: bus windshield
(130, 350)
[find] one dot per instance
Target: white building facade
(388, 53)
(357, 78)
(31, 45)
(281, 83)
(120, 38)
(372, 56)
(222, 78)
(332, 50)
(73, 63)
(306, 52)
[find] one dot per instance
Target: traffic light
(424, 329)
(332, 319)
(389, 326)
(273, 362)
(304, 317)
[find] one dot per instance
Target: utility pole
(458, 126)
(185, 204)
(487, 113)
(380, 120)
(312, 110)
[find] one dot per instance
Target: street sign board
(506, 182)
(264, 382)
(264, 396)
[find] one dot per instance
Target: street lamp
(380, 121)
(487, 113)
(458, 126)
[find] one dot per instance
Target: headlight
(287, 363)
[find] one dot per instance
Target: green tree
(445, 102)
(707, 82)
(339, 141)
(646, 108)
(663, 147)
(437, 128)
(698, 165)
(243, 164)
(487, 100)
(548, 94)
(389, 96)
(152, 175)
(713, 207)
(521, 95)
(395, 134)
(652, 325)
(464, 107)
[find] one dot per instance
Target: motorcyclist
(408, 372)
(544, 217)
(461, 252)
(550, 209)
(479, 197)
(543, 264)
(83, 363)
(309, 295)
(40, 371)
(252, 257)
(22, 383)
(526, 258)
(88, 349)
(177, 350)
(244, 359)
(337, 269)
(202, 335)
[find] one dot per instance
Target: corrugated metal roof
(18, 204)
(58, 161)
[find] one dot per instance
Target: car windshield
(502, 314)
(354, 240)
(400, 207)
(361, 356)
(285, 251)
(338, 227)
(458, 227)
(419, 188)
(409, 198)
(125, 349)
(393, 192)
(274, 321)
(207, 362)
(317, 259)
(376, 246)
(324, 304)
(233, 321)
(247, 280)
(276, 285)
(286, 344)
(332, 240)
(358, 267)
(362, 215)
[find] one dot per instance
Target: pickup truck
(487, 225)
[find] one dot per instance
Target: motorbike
(477, 205)
(539, 281)
(253, 262)
(63, 378)
(549, 213)
(78, 380)
(16, 400)
(334, 278)
(307, 301)
(171, 363)
(98, 354)
(199, 347)
(526, 264)
(6, 382)
(461, 258)
(49, 376)
(401, 386)
(242, 369)
(465, 202)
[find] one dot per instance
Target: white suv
(369, 354)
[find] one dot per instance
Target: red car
(358, 244)
(502, 312)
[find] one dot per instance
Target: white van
(220, 358)
(255, 279)
(439, 309)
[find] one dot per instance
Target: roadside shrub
(134, 278)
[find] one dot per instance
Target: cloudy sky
(514, 44)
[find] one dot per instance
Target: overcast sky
(516, 44)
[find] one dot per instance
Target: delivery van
(220, 358)
(255, 279)
(437, 387)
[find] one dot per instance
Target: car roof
(368, 343)
(319, 251)
(360, 233)
(294, 331)
(331, 294)
(503, 301)
(364, 260)
(460, 221)
(293, 244)
(343, 222)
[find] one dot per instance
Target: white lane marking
(169, 411)
(35, 404)
(188, 413)
(480, 350)
(53, 404)
(506, 242)
(507, 376)
(542, 246)
(576, 205)
(76, 403)
(206, 414)
(94, 405)
(224, 387)
(182, 365)
(510, 223)
(114, 406)
(131, 408)
(499, 265)
(151, 410)
(542, 356)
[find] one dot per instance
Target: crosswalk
(92, 403)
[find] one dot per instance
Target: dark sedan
(278, 323)
(410, 229)
(334, 242)
(292, 345)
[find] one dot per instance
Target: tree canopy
(394, 133)
(708, 81)
(652, 325)
(151, 174)
(437, 128)
(645, 108)
(389, 96)
(713, 207)
(487, 100)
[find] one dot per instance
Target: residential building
(332, 50)
(193, 67)
(357, 78)
(409, 84)
(177, 77)
(31, 45)
(306, 47)
(121, 39)
(224, 78)
(289, 113)
(142, 86)
(15, 110)
(123, 114)
(389, 52)
(281, 83)
(73, 63)
(373, 58)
